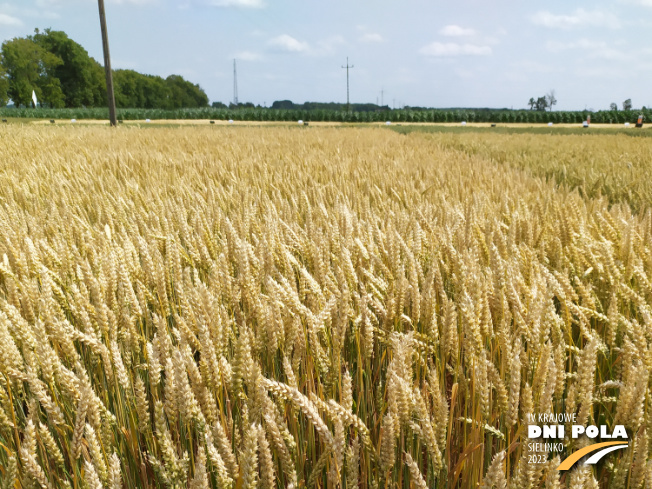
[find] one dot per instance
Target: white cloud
(449, 49)
(238, 3)
(285, 42)
(613, 55)
(464, 73)
(323, 47)
(557, 46)
(529, 66)
(12, 14)
(133, 2)
(371, 37)
(246, 56)
(643, 3)
(368, 36)
(594, 49)
(579, 18)
(456, 31)
(328, 46)
(524, 70)
(48, 3)
(56, 4)
(9, 20)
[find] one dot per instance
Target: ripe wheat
(278, 307)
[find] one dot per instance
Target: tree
(184, 93)
(532, 103)
(4, 87)
(613, 106)
(155, 91)
(62, 74)
(98, 82)
(283, 105)
(541, 103)
(30, 67)
(128, 89)
(627, 104)
(551, 99)
(77, 72)
(135, 90)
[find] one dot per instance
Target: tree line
(62, 74)
(333, 106)
(544, 102)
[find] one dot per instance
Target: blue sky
(469, 53)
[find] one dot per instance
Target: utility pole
(348, 105)
(382, 97)
(235, 84)
(107, 65)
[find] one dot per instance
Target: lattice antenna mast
(348, 105)
(235, 84)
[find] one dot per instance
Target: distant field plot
(614, 163)
(241, 307)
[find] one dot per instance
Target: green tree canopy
(81, 77)
(4, 87)
(31, 67)
(62, 73)
(133, 89)
(184, 93)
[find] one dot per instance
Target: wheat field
(310, 307)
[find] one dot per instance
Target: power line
(348, 105)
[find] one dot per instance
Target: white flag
(34, 98)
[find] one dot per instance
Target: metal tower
(348, 106)
(235, 84)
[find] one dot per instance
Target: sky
(468, 53)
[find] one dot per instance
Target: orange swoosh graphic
(570, 461)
